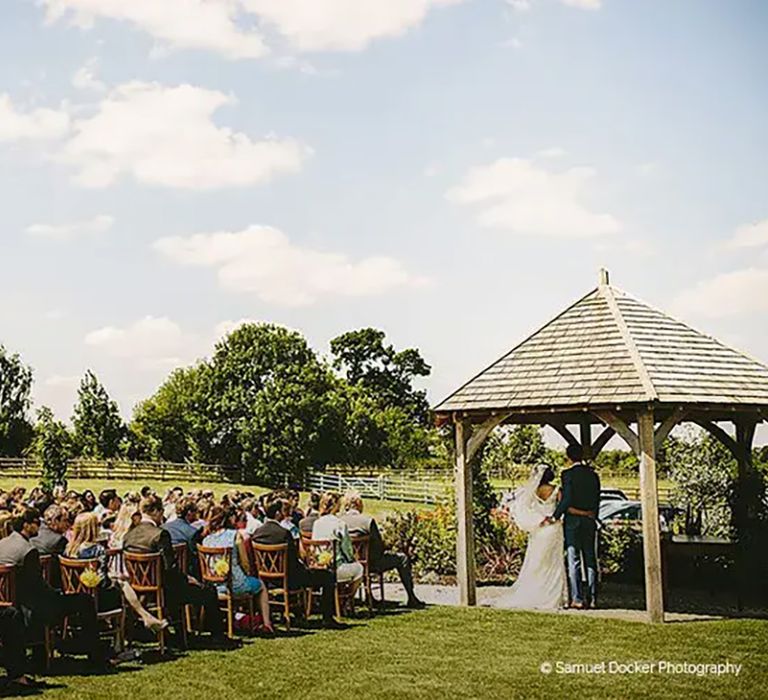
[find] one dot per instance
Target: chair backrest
(72, 570)
(271, 562)
(361, 546)
(115, 557)
(316, 554)
(7, 586)
(209, 565)
(181, 554)
(46, 567)
(145, 571)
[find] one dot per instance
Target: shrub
(620, 552)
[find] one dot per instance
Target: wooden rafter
(666, 427)
(481, 432)
(602, 440)
(719, 434)
(621, 428)
(564, 433)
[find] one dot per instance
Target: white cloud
(750, 236)
(341, 25)
(63, 232)
(153, 342)
(728, 294)
(584, 4)
(263, 261)
(648, 169)
(178, 24)
(235, 28)
(524, 198)
(520, 5)
(166, 136)
(34, 125)
(84, 78)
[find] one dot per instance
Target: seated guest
(109, 502)
(299, 576)
(89, 500)
(50, 538)
(221, 532)
(330, 527)
(182, 531)
(308, 521)
(85, 545)
(128, 516)
(13, 653)
(379, 561)
(147, 537)
(287, 521)
(252, 512)
(41, 604)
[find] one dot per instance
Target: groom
(579, 504)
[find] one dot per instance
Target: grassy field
(458, 653)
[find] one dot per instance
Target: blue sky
(454, 172)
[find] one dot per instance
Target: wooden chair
(46, 569)
(362, 546)
(71, 572)
(145, 574)
(315, 551)
(8, 599)
(181, 555)
(209, 557)
(271, 561)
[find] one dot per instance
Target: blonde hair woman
(85, 545)
(128, 516)
(329, 526)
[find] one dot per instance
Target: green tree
(509, 448)
(15, 388)
(51, 448)
(365, 359)
(703, 471)
(99, 429)
(264, 403)
(164, 426)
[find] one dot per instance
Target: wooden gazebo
(609, 365)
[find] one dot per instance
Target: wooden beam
(585, 433)
(621, 428)
(663, 431)
(649, 499)
(465, 539)
(481, 432)
(719, 434)
(564, 433)
(602, 440)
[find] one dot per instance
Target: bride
(541, 582)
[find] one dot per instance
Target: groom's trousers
(579, 534)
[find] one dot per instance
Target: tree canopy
(15, 392)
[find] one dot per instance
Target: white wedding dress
(541, 583)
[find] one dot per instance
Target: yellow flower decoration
(90, 578)
(221, 567)
(324, 558)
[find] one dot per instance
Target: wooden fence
(105, 470)
(383, 487)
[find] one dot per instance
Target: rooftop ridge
(607, 291)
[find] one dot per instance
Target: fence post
(382, 486)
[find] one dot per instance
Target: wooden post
(745, 434)
(654, 596)
(465, 539)
(586, 438)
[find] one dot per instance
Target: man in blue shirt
(182, 531)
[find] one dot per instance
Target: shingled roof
(607, 349)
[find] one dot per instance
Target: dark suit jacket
(362, 525)
(148, 538)
(581, 489)
(307, 523)
(272, 532)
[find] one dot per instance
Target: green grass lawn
(452, 653)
